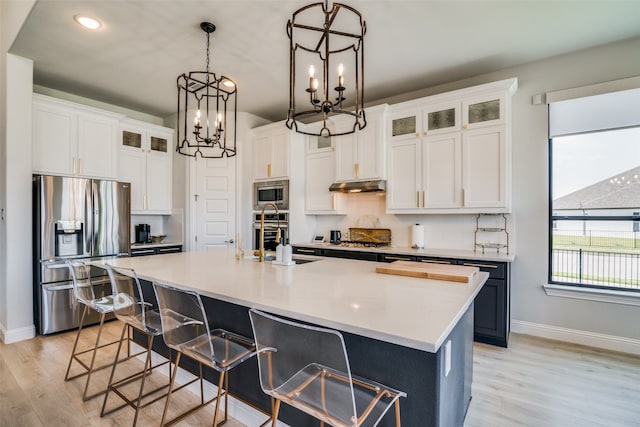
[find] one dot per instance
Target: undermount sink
(269, 258)
(303, 260)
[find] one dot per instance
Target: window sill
(601, 295)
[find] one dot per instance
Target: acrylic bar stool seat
(84, 294)
(307, 367)
(186, 330)
(130, 307)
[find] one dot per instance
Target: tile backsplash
(442, 231)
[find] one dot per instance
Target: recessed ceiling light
(87, 22)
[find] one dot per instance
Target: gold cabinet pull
(73, 165)
(423, 199)
(269, 170)
(79, 165)
(356, 168)
(464, 126)
(418, 198)
(470, 264)
(397, 258)
(417, 134)
(433, 261)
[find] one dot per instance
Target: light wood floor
(534, 382)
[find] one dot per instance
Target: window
(594, 187)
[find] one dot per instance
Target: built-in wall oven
(271, 192)
(272, 222)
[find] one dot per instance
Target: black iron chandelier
(325, 39)
(204, 104)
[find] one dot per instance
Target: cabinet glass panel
(323, 142)
(131, 139)
(403, 126)
(484, 111)
(158, 144)
(441, 119)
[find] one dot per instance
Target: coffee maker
(143, 233)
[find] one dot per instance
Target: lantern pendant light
(331, 42)
(205, 103)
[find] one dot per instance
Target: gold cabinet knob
(424, 133)
(417, 134)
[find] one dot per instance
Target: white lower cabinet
(73, 139)
(146, 163)
(320, 174)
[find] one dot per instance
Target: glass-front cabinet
(484, 110)
(145, 162)
(450, 153)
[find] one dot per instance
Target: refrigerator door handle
(88, 216)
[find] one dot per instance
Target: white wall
(16, 314)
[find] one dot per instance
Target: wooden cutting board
(454, 273)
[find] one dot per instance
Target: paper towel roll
(417, 236)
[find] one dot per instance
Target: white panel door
(346, 152)
(215, 202)
(159, 183)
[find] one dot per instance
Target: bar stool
(307, 367)
(84, 294)
(186, 330)
(131, 308)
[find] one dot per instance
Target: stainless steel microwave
(271, 192)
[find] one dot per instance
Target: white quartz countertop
(489, 255)
(337, 293)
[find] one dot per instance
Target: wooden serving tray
(454, 273)
(370, 235)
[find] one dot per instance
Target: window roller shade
(613, 110)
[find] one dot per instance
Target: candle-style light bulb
(197, 119)
(312, 73)
(340, 72)
(218, 121)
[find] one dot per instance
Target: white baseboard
(15, 335)
(575, 336)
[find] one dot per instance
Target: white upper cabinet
(360, 156)
(450, 153)
(271, 151)
(146, 162)
(320, 171)
(73, 139)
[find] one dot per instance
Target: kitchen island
(411, 334)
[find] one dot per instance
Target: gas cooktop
(348, 244)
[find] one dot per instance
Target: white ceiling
(134, 60)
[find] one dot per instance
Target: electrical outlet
(447, 358)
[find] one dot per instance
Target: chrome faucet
(261, 249)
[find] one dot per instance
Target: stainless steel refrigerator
(74, 218)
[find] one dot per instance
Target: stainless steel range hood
(359, 186)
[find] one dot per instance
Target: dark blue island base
(433, 398)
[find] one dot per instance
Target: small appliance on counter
(143, 233)
(336, 236)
